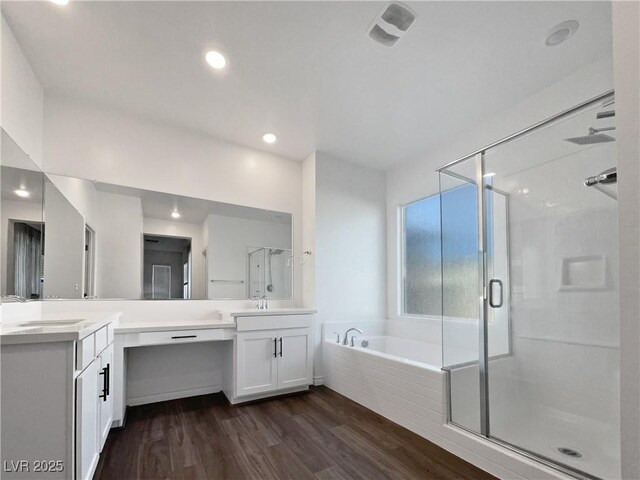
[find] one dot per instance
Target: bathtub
(421, 354)
(397, 378)
(401, 380)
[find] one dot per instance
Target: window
(422, 286)
(422, 293)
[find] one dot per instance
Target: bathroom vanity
(272, 354)
(264, 352)
(64, 378)
(57, 397)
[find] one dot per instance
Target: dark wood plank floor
(318, 435)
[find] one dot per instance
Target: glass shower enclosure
(530, 325)
(269, 272)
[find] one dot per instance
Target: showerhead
(594, 136)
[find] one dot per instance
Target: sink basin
(52, 323)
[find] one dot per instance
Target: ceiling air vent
(391, 23)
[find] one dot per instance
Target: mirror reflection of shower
(269, 272)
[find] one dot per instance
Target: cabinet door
(294, 358)
(87, 450)
(105, 397)
(257, 362)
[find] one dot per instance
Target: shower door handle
(491, 296)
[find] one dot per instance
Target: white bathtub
(399, 379)
(421, 354)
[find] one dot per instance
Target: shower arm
(593, 131)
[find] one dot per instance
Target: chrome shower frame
(531, 128)
(477, 156)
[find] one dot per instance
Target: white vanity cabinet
(56, 400)
(94, 405)
(87, 432)
(295, 358)
(272, 354)
(256, 362)
(105, 402)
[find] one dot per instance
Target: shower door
(462, 296)
(540, 355)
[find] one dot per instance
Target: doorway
(166, 267)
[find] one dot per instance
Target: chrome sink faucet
(261, 303)
(346, 335)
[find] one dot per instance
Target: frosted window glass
(460, 252)
(422, 287)
(423, 274)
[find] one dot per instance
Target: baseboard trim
(318, 380)
(265, 395)
(163, 397)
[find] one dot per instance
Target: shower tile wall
(565, 339)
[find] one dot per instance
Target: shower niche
(585, 272)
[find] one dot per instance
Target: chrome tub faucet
(346, 335)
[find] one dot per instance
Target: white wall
(114, 147)
(418, 179)
(626, 51)
(350, 263)
(309, 230)
(22, 98)
(63, 246)
(154, 226)
(119, 246)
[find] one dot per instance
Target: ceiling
(159, 205)
(159, 243)
(13, 179)
(307, 71)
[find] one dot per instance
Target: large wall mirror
(105, 241)
(22, 189)
(109, 241)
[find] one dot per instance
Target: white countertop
(55, 328)
(164, 325)
(256, 312)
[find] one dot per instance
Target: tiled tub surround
(401, 379)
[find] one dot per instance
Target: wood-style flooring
(318, 435)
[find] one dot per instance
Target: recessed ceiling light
(175, 214)
(22, 193)
(561, 32)
(269, 138)
(216, 59)
(60, 2)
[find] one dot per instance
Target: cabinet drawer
(174, 336)
(85, 352)
(271, 322)
(101, 337)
